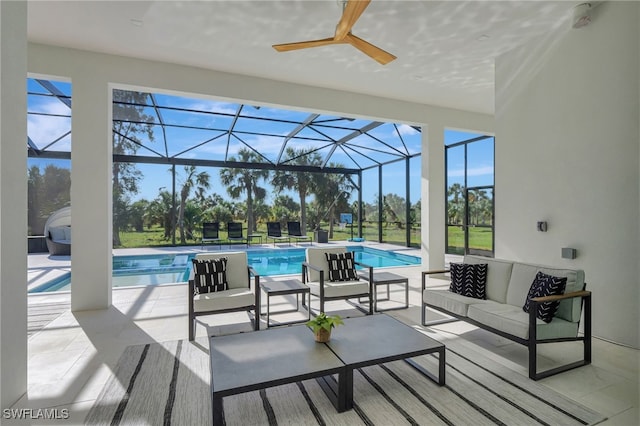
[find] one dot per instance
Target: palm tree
(193, 179)
(240, 181)
(332, 190)
(128, 136)
(302, 182)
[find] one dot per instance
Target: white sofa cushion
(339, 288)
(452, 302)
(237, 263)
(513, 320)
(498, 276)
(523, 275)
(228, 299)
(58, 234)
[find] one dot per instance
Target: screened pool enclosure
(179, 161)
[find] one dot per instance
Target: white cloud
(43, 129)
(477, 171)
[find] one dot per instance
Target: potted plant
(322, 325)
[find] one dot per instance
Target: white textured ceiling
(445, 49)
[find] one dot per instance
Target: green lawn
(479, 238)
(154, 237)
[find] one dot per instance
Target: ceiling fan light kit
(350, 14)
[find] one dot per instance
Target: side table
(282, 288)
(387, 278)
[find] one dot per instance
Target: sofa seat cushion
(451, 302)
(56, 233)
(512, 320)
(221, 300)
(340, 288)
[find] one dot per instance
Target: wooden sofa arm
(571, 295)
(432, 272)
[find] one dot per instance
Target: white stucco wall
(13, 202)
(567, 151)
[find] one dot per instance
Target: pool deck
(42, 267)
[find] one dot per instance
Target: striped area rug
(168, 384)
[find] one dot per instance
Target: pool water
(159, 269)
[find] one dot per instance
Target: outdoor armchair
(337, 278)
(275, 233)
(221, 283)
(295, 232)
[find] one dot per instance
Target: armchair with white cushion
(336, 279)
(221, 283)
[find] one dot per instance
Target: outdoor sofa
(508, 286)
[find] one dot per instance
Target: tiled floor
(72, 357)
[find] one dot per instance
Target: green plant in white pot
(322, 325)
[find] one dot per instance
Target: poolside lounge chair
(295, 232)
(275, 233)
(210, 233)
(218, 286)
(234, 233)
(57, 232)
(337, 278)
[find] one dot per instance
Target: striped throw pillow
(469, 279)
(342, 266)
(210, 275)
(545, 285)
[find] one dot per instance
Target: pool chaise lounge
(57, 232)
(294, 231)
(275, 233)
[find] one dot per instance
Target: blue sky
(44, 129)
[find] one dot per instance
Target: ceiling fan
(352, 9)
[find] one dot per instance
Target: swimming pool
(159, 269)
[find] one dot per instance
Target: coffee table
(257, 360)
(261, 359)
(377, 339)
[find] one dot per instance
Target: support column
(407, 175)
(91, 192)
(360, 216)
(380, 203)
(433, 193)
(13, 202)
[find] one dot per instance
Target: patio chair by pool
(221, 283)
(331, 275)
(57, 232)
(234, 233)
(295, 232)
(275, 233)
(210, 233)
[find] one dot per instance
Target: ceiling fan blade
(306, 44)
(350, 15)
(369, 49)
